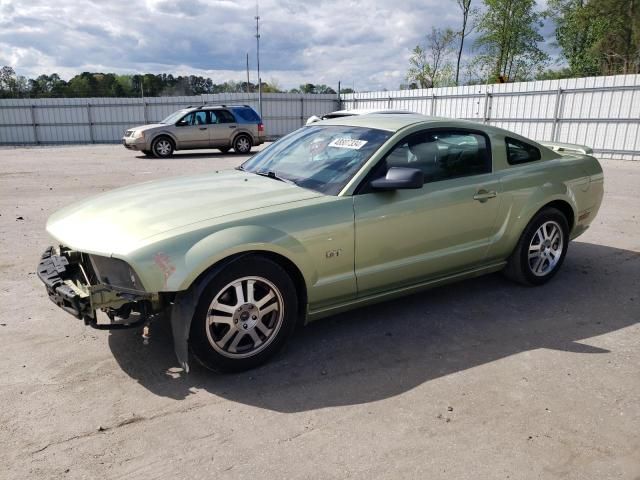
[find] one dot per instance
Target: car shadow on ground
(384, 350)
(196, 155)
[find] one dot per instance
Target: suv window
(247, 114)
(224, 116)
(521, 152)
(442, 155)
(194, 118)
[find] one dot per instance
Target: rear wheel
(162, 147)
(244, 315)
(242, 144)
(541, 249)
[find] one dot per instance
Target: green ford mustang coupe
(341, 213)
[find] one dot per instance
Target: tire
(242, 144)
(162, 147)
(226, 329)
(224, 149)
(546, 238)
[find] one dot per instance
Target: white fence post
(90, 118)
(556, 116)
(34, 124)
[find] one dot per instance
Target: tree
(467, 28)
(509, 39)
(428, 65)
(618, 42)
(577, 32)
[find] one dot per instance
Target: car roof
(365, 111)
(394, 122)
(214, 107)
(381, 121)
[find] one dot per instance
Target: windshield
(318, 157)
(175, 116)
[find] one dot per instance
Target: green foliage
(617, 39)
(577, 31)
(555, 74)
(311, 88)
(598, 37)
(89, 84)
(508, 40)
(430, 65)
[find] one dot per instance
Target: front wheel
(244, 315)
(541, 249)
(162, 147)
(242, 144)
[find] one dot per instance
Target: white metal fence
(600, 112)
(103, 120)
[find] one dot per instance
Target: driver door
(406, 237)
(192, 131)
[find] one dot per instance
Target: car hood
(120, 220)
(151, 126)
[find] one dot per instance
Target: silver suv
(223, 127)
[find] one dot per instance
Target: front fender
(164, 133)
(231, 241)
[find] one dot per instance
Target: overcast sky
(363, 43)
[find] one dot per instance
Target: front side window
(441, 155)
(520, 152)
(194, 118)
(321, 158)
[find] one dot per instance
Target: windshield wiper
(274, 175)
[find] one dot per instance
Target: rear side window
(520, 152)
(247, 114)
(224, 116)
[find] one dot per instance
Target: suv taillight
(261, 127)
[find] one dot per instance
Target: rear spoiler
(567, 148)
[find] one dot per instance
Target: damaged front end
(82, 284)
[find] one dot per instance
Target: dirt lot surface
(480, 380)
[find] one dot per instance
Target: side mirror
(399, 178)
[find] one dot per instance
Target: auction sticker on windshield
(350, 143)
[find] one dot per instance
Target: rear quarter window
(520, 152)
(247, 115)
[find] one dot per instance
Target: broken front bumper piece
(69, 286)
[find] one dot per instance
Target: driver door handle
(202, 128)
(232, 126)
(484, 195)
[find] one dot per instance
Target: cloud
(363, 43)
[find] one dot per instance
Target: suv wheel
(541, 249)
(162, 147)
(242, 144)
(244, 315)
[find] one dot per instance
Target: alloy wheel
(243, 145)
(244, 317)
(545, 248)
(163, 148)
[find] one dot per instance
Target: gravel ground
(479, 380)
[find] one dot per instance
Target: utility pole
(258, 57)
(248, 72)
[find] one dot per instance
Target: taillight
(261, 127)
